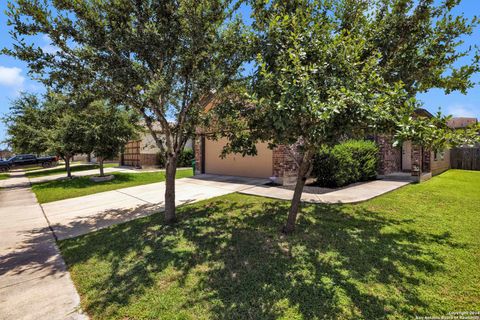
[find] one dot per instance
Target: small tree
(107, 130)
(334, 69)
(163, 58)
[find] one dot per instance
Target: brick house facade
(423, 163)
(415, 160)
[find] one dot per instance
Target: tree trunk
(171, 169)
(67, 166)
(100, 163)
(303, 172)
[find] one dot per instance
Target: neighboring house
(280, 163)
(461, 122)
(143, 152)
(5, 154)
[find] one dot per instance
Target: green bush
(345, 163)
(184, 159)
(161, 161)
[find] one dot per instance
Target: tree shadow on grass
(337, 264)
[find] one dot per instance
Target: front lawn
(82, 186)
(4, 176)
(412, 252)
(82, 167)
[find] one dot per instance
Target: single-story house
(279, 162)
(143, 151)
(5, 154)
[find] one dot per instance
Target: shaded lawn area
(412, 252)
(83, 167)
(4, 176)
(82, 186)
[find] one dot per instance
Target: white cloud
(48, 47)
(11, 77)
(461, 110)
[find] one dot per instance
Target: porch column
(416, 157)
(199, 146)
(426, 161)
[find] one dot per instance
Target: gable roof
(461, 122)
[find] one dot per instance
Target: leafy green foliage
(25, 128)
(345, 163)
(164, 59)
(184, 158)
(108, 129)
(65, 127)
(328, 70)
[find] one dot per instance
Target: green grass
(82, 167)
(4, 176)
(411, 252)
(82, 186)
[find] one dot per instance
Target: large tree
(163, 58)
(64, 128)
(24, 125)
(334, 69)
(46, 124)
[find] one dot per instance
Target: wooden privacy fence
(465, 158)
(132, 154)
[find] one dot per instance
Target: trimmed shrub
(345, 163)
(161, 161)
(184, 159)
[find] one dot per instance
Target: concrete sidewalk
(34, 281)
(77, 216)
(351, 194)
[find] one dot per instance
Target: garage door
(259, 166)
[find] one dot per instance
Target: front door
(407, 156)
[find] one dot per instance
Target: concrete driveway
(73, 217)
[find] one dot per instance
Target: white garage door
(259, 166)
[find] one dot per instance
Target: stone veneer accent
(284, 166)
(389, 157)
(417, 162)
(197, 147)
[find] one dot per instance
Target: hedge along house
(144, 152)
(280, 164)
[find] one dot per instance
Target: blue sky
(14, 77)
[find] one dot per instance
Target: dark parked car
(25, 160)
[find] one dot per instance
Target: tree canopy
(330, 70)
(163, 58)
